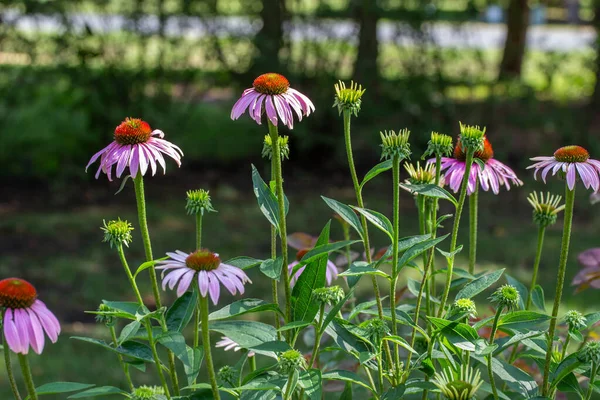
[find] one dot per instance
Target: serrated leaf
(418, 249)
(195, 356)
(242, 307)
(272, 268)
(376, 170)
(479, 285)
(566, 366)
(175, 342)
(129, 331)
(267, 201)
(180, 313)
(310, 381)
(346, 213)
(245, 333)
(515, 378)
(430, 190)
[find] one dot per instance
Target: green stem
(489, 357)
(562, 267)
(363, 220)
(207, 349)
(146, 322)
(26, 371)
(198, 310)
(274, 290)
(124, 366)
(395, 237)
(252, 361)
(565, 346)
(590, 389)
(536, 264)
(318, 335)
(288, 389)
(282, 222)
(9, 371)
(473, 215)
(459, 208)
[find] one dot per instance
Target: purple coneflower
(331, 272)
(25, 317)
(279, 99)
(229, 344)
(494, 175)
(209, 269)
(571, 161)
(136, 146)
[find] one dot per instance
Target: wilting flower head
(395, 144)
(291, 360)
(571, 161)
(117, 232)
(331, 272)
(545, 208)
(465, 306)
(438, 145)
(506, 296)
(590, 353)
(328, 295)
(420, 175)
(25, 318)
(279, 99)
(136, 146)
(590, 273)
(284, 147)
(575, 320)
(348, 98)
(229, 344)
(148, 393)
(458, 386)
(494, 175)
(209, 270)
(198, 201)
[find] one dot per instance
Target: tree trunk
(516, 37)
(365, 66)
(269, 39)
(596, 96)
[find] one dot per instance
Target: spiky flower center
(198, 201)
(301, 254)
(203, 260)
(271, 83)
(571, 154)
(132, 131)
(16, 293)
(420, 175)
(483, 155)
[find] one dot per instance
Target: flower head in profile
(439, 145)
(284, 147)
(136, 146)
(207, 268)
(506, 296)
(465, 306)
(25, 318)
(272, 94)
(571, 162)
(575, 320)
(198, 201)
(229, 344)
(331, 271)
(545, 207)
(590, 352)
(420, 175)
(589, 275)
(395, 144)
(494, 174)
(291, 360)
(461, 385)
(148, 393)
(348, 98)
(117, 232)
(328, 295)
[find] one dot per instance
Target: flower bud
(465, 306)
(439, 145)
(329, 295)
(575, 320)
(284, 147)
(291, 360)
(226, 374)
(545, 208)
(148, 393)
(375, 330)
(506, 296)
(348, 98)
(117, 233)
(106, 319)
(198, 201)
(393, 144)
(590, 353)
(472, 137)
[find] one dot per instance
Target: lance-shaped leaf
(346, 213)
(430, 190)
(376, 170)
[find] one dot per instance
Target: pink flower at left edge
(25, 318)
(137, 147)
(207, 268)
(272, 93)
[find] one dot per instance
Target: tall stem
(430, 286)
(459, 208)
(473, 215)
(207, 349)
(395, 237)
(146, 322)
(489, 357)
(562, 267)
(124, 366)
(536, 264)
(282, 223)
(274, 291)
(9, 371)
(565, 346)
(590, 389)
(198, 310)
(26, 371)
(318, 335)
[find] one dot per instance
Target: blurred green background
(70, 71)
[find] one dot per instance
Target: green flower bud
(148, 393)
(461, 385)
(393, 144)
(291, 360)
(226, 374)
(420, 175)
(117, 233)
(590, 353)
(439, 145)
(284, 147)
(465, 306)
(198, 201)
(348, 98)
(545, 208)
(329, 295)
(506, 296)
(106, 319)
(472, 137)
(375, 330)
(575, 320)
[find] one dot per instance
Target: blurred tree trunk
(365, 67)
(516, 37)
(269, 39)
(596, 96)
(591, 113)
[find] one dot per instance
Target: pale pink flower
(572, 161)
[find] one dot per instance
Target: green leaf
(242, 307)
(310, 381)
(479, 285)
(394, 393)
(505, 343)
(175, 342)
(294, 325)
(245, 333)
(136, 350)
(479, 162)
(147, 265)
(276, 346)
(128, 307)
(243, 262)
(400, 342)
(129, 331)
(570, 384)
(376, 170)
(378, 219)
(97, 392)
(522, 320)
(430, 190)
(537, 298)
(195, 355)
(327, 248)
(346, 213)
(450, 255)
(62, 387)
(267, 201)
(181, 312)
(514, 377)
(344, 339)
(359, 268)
(347, 393)
(592, 319)
(346, 376)
(313, 277)
(418, 249)
(567, 366)
(336, 309)
(459, 334)
(272, 268)
(523, 292)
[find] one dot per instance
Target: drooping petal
(48, 320)
(213, 287)
(270, 110)
(36, 332)
(203, 283)
(184, 282)
(13, 339)
(571, 176)
(21, 319)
